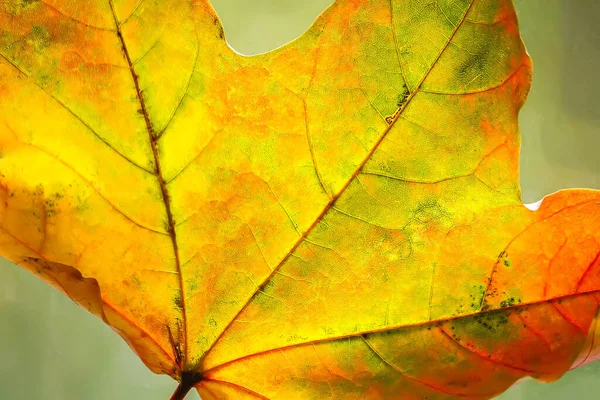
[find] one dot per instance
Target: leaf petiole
(181, 392)
(188, 380)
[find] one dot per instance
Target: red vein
(163, 188)
(238, 387)
(386, 329)
(583, 361)
(587, 271)
(207, 390)
(483, 356)
(534, 331)
(568, 318)
(514, 239)
(413, 379)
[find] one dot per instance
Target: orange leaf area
(340, 218)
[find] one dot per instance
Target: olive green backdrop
(52, 349)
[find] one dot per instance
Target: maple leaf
(339, 218)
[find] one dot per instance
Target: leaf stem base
(188, 380)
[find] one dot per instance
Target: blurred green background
(52, 349)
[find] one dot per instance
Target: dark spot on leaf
(177, 301)
(508, 302)
(402, 97)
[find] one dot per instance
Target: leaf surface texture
(339, 218)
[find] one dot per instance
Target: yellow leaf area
(336, 219)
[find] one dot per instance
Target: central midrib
(181, 357)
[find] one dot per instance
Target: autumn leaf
(340, 218)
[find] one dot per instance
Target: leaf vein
(163, 188)
(85, 124)
(96, 190)
(378, 330)
(75, 19)
(411, 378)
(342, 190)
